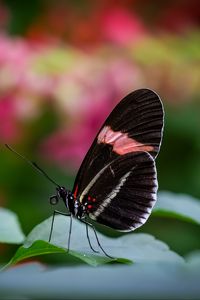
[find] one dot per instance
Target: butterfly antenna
(33, 164)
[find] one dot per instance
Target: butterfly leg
(96, 236)
(88, 238)
(59, 213)
(70, 232)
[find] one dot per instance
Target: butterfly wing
(124, 192)
(134, 125)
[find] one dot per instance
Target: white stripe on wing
(110, 196)
(92, 182)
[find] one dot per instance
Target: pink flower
(121, 26)
(14, 52)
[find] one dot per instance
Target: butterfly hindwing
(134, 125)
(123, 194)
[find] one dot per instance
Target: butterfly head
(64, 194)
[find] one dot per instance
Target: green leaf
(178, 206)
(135, 247)
(10, 230)
(41, 248)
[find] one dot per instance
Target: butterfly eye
(53, 200)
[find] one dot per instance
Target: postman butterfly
(116, 184)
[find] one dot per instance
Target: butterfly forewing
(135, 125)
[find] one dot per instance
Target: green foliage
(42, 248)
(178, 163)
(178, 206)
(22, 14)
(10, 230)
(157, 271)
(135, 247)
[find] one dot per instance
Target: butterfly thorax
(75, 207)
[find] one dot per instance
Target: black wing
(123, 194)
(135, 124)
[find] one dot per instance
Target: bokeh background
(65, 64)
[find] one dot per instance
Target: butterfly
(116, 184)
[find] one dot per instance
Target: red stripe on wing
(120, 141)
(76, 192)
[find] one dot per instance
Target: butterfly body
(72, 203)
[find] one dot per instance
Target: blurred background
(65, 64)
